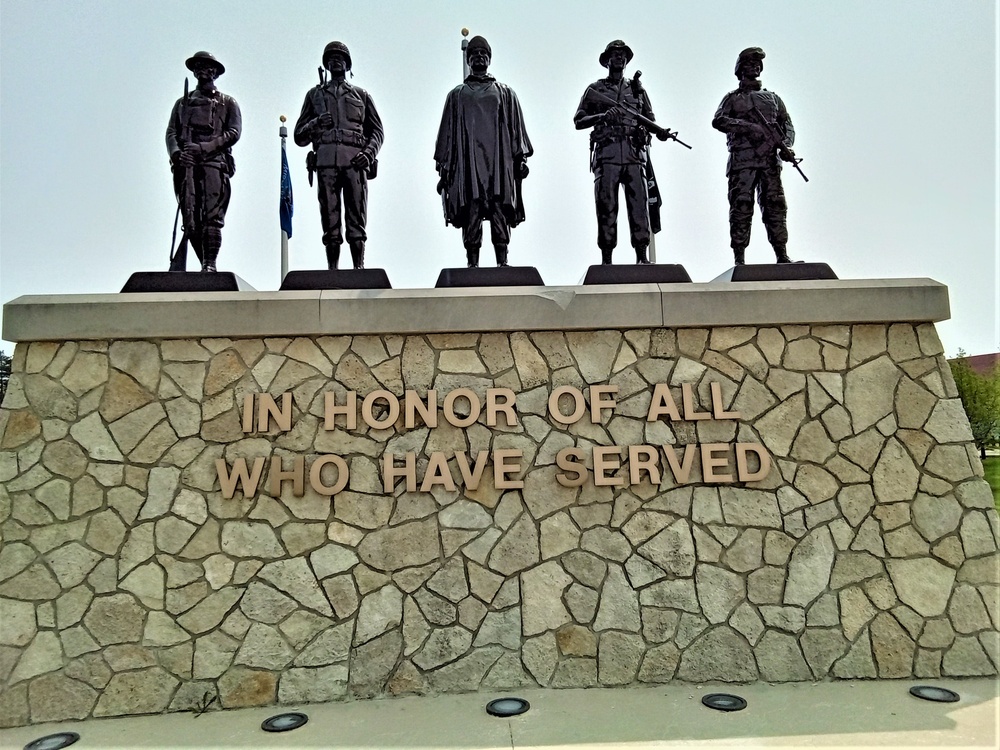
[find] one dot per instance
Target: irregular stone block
(809, 568)
(922, 584)
(402, 546)
(720, 654)
(542, 588)
(379, 612)
(780, 659)
(59, 698)
(618, 657)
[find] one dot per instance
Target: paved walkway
(840, 714)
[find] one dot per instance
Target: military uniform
(618, 157)
(754, 168)
(213, 121)
(356, 129)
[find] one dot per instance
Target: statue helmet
(204, 57)
(612, 46)
(750, 54)
(336, 47)
(478, 42)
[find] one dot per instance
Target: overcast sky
(894, 104)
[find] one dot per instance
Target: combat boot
(641, 259)
(606, 254)
(358, 253)
(472, 256)
(781, 255)
(501, 252)
(212, 243)
(739, 256)
(332, 256)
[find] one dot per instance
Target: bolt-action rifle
(775, 140)
(311, 156)
(186, 204)
(660, 132)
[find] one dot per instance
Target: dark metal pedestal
(167, 281)
(778, 272)
(500, 276)
(349, 278)
(656, 273)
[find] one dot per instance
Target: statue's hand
(613, 116)
(188, 155)
(786, 154)
(522, 169)
(324, 121)
(442, 183)
(361, 162)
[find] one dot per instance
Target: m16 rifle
(660, 132)
(775, 140)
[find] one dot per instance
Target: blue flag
(285, 208)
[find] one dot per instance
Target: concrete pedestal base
(285, 497)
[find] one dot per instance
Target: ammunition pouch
(350, 137)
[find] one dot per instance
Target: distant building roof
(984, 364)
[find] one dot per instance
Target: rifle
(660, 132)
(186, 204)
(311, 156)
(775, 140)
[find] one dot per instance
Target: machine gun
(775, 140)
(660, 132)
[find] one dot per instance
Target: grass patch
(991, 471)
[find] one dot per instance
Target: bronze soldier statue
(758, 132)
(619, 111)
(344, 128)
(481, 155)
(203, 127)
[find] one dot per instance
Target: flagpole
(465, 61)
(283, 132)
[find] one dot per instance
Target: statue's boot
(501, 251)
(211, 245)
(641, 259)
(781, 255)
(606, 256)
(472, 256)
(358, 253)
(739, 255)
(332, 256)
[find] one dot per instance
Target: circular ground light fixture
(507, 707)
(284, 722)
(53, 741)
(936, 694)
(724, 702)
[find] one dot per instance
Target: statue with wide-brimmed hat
(203, 126)
(619, 115)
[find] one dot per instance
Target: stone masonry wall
(128, 584)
